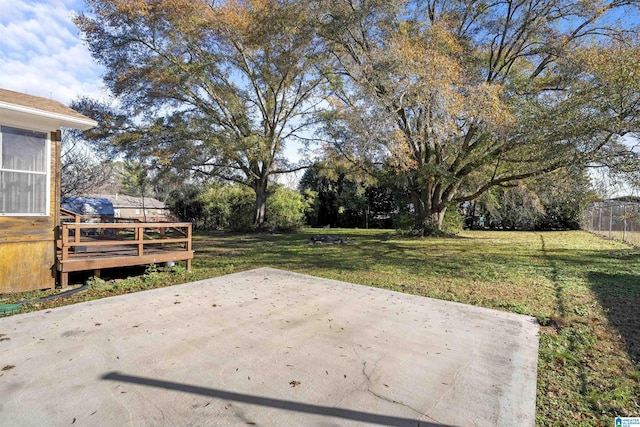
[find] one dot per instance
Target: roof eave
(51, 119)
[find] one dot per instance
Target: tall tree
(229, 82)
(461, 96)
(135, 181)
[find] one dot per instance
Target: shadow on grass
(561, 306)
(296, 252)
(616, 288)
(574, 340)
(405, 258)
(619, 295)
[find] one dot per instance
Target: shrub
(241, 201)
(216, 209)
(228, 207)
(452, 223)
(403, 221)
(453, 220)
(231, 207)
(286, 209)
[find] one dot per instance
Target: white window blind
(23, 172)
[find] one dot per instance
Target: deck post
(65, 241)
(189, 247)
(139, 235)
(64, 279)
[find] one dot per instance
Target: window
(24, 160)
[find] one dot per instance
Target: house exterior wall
(28, 244)
(153, 214)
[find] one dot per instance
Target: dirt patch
(330, 240)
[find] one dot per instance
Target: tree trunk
(437, 217)
(144, 208)
(260, 215)
(428, 213)
(418, 209)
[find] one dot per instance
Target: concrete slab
(268, 347)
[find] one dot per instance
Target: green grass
(585, 292)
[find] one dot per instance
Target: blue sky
(41, 51)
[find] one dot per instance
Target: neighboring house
(30, 186)
(630, 199)
(89, 206)
(132, 207)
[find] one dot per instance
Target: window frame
(46, 174)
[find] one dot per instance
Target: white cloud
(41, 52)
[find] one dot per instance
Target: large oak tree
(461, 96)
(223, 85)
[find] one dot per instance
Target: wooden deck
(86, 246)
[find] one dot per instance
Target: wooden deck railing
(94, 246)
(69, 216)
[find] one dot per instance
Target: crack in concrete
(455, 380)
(153, 402)
(379, 396)
(239, 413)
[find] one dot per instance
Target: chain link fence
(614, 220)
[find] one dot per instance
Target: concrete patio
(268, 347)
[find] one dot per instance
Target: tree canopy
(463, 96)
(220, 86)
(453, 98)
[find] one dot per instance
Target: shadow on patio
(287, 405)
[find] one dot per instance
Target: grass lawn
(584, 291)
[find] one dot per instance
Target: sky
(41, 51)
